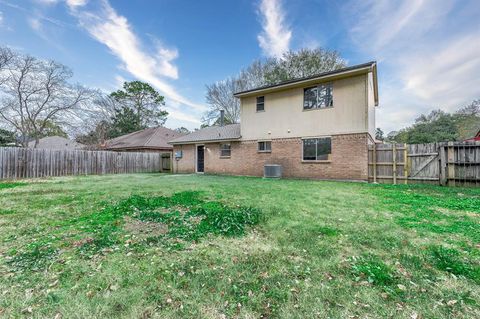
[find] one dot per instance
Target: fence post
(374, 159)
(405, 163)
(443, 166)
(394, 157)
(451, 164)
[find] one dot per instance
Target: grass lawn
(165, 246)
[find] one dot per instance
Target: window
(225, 150)
(317, 149)
(260, 103)
(265, 146)
(318, 97)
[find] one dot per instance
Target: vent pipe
(222, 117)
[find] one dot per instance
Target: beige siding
(371, 105)
(284, 116)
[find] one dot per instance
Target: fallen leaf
(27, 310)
(401, 287)
(451, 302)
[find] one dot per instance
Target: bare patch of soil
(144, 229)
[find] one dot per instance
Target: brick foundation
(349, 159)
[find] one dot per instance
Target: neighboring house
(56, 143)
(153, 139)
(315, 127)
(476, 138)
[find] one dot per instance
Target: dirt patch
(144, 229)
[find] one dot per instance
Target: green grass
(5, 185)
(163, 246)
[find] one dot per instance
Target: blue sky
(428, 51)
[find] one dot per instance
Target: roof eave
(138, 148)
(375, 83)
(205, 141)
(361, 69)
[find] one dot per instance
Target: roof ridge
(331, 72)
(151, 136)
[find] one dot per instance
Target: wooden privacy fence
(18, 163)
(452, 163)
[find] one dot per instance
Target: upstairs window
(265, 146)
(317, 149)
(225, 150)
(318, 97)
(260, 103)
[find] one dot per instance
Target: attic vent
(272, 171)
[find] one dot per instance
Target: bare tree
(96, 121)
(36, 93)
(6, 56)
(220, 97)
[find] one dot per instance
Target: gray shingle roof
(151, 138)
(211, 133)
(56, 143)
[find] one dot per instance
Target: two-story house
(315, 127)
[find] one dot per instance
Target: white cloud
(70, 3)
(430, 51)
(76, 3)
(35, 23)
(1, 18)
(47, 2)
(276, 35)
(114, 31)
(119, 81)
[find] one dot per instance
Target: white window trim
(256, 103)
(220, 150)
(258, 144)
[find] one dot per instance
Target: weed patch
(172, 222)
(187, 218)
(11, 185)
(35, 256)
(373, 270)
(450, 260)
(426, 209)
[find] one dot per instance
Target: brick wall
(349, 159)
(187, 163)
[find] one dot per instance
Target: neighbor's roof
(331, 75)
(56, 143)
(211, 133)
(475, 138)
(150, 138)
